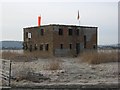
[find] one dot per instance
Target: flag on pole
(78, 17)
(39, 20)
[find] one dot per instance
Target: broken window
(61, 46)
(26, 34)
(60, 31)
(35, 46)
(77, 32)
(42, 32)
(94, 46)
(29, 35)
(77, 48)
(70, 45)
(41, 47)
(46, 47)
(70, 32)
(85, 40)
(25, 47)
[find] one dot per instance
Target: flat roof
(61, 25)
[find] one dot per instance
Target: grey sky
(104, 15)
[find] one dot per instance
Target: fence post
(10, 73)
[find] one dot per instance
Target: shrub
(53, 65)
(22, 72)
(26, 71)
(95, 57)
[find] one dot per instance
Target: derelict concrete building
(60, 40)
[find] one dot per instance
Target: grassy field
(25, 57)
(89, 66)
(91, 57)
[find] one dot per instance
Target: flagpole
(78, 18)
(79, 22)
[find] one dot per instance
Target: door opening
(77, 48)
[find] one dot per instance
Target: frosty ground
(70, 71)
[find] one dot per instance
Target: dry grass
(94, 57)
(10, 55)
(14, 56)
(37, 54)
(26, 56)
(23, 72)
(55, 64)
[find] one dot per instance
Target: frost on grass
(55, 64)
(26, 72)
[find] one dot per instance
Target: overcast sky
(18, 15)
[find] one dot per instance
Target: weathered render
(60, 40)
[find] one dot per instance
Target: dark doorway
(61, 46)
(77, 48)
(85, 41)
(70, 32)
(30, 48)
(94, 46)
(60, 31)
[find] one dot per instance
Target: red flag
(39, 20)
(78, 15)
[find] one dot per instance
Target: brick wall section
(65, 39)
(38, 39)
(51, 36)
